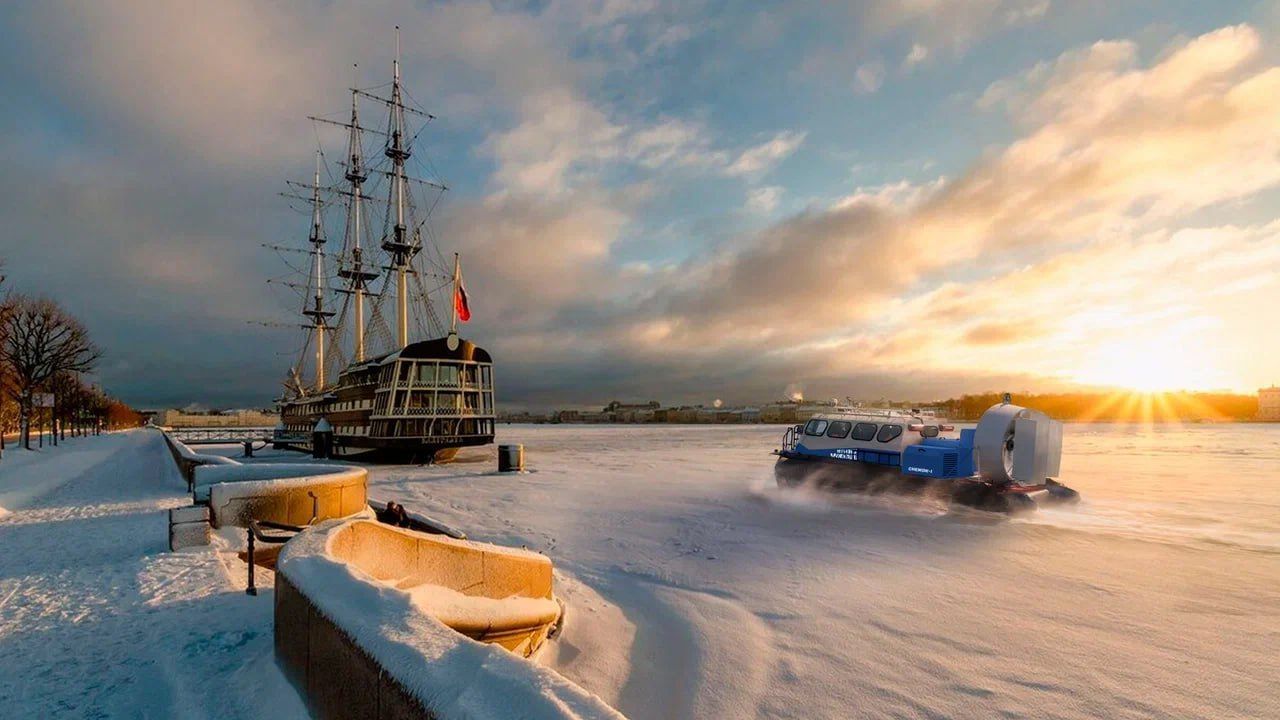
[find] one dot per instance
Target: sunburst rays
(1151, 408)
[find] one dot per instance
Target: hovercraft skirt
(795, 470)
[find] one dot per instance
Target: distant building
(791, 411)
(784, 412)
(521, 417)
(228, 418)
(1269, 404)
(683, 414)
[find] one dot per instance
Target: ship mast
(398, 245)
(356, 275)
(315, 311)
(401, 237)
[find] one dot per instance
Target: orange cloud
(1066, 233)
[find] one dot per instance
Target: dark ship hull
(420, 404)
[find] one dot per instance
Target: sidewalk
(98, 618)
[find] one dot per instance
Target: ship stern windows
(436, 399)
(427, 373)
(450, 376)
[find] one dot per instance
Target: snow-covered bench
(381, 622)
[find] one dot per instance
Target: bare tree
(8, 415)
(39, 341)
(71, 397)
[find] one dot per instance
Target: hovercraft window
(889, 433)
(864, 431)
(815, 428)
(839, 429)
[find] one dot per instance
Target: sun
(1149, 366)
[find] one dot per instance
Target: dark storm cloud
(146, 144)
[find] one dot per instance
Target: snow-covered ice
(697, 589)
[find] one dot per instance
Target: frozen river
(697, 589)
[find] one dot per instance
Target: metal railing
(791, 438)
(449, 412)
(218, 436)
(442, 385)
(255, 531)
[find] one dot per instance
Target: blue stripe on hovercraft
(891, 459)
(933, 457)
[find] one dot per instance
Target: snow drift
(358, 626)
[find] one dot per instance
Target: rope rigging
(387, 170)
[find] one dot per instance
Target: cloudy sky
(680, 200)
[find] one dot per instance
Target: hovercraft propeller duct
(1022, 447)
(1016, 444)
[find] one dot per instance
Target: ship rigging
(394, 386)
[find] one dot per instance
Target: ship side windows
(889, 433)
(864, 431)
(839, 429)
(815, 427)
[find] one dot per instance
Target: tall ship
(380, 373)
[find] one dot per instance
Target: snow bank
(514, 579)
(456, 609)
(450, 675)
(186, 453)
(95, 623)
(28, 475)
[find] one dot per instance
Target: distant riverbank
(1180, 407)
(968, 421)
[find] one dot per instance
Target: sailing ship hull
(410, 451)
(420, 404)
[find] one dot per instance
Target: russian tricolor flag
(460, 304)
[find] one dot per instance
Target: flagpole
(453, 325)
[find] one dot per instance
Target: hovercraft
(1007, 464)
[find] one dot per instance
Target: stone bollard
(321, 444)
(189, 526)
(278, 433)
(322, 440)
(510, 458)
